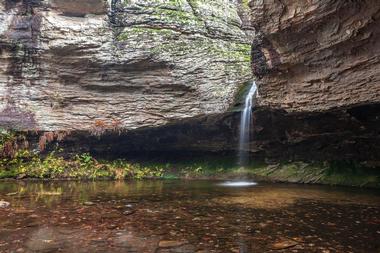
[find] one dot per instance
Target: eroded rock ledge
(277, 136)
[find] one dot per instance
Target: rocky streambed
(186, 216)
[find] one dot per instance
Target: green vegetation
(172, 13)
(7, 140)
(28, 165)
(296, 172)
(146, 32)
(351, 173)
(331, 173)
(5, 136)
(163, 39)
(17, 161)
(240, 96)
(170, 45)
(245, 4)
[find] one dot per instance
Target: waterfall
(245, 124)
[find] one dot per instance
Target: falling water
(245, 124)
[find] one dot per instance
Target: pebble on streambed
(88, 203)
(4, 204)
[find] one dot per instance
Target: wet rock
(171, 244)
(44, 240)
(284, 244)
(4, 204)
(33, 224)
(112, 226)
(131, 242)
(129, 212)
(21, 176)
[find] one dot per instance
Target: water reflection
(237, 184)
(186, 216)
(284, 195)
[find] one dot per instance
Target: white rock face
(76, 65)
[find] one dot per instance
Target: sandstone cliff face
(318, 64)
(317, 55)
(76, 65)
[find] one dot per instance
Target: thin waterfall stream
(244, 137)
(245, 125)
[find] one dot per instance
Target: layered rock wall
(317, 55)
(318, 69)
(76, 65)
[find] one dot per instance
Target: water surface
(186, 216)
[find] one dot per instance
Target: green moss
(177, 17)
(321, 173)
(242, 92)
(166, 3)
(190, 16)
(169, 13)
(229, 51)
(245, 4)
(351, 173)
(170, 44)
(147, 32)
(296, 172)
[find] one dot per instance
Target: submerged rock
(129, 212)
(4, 204)
(171, 244)
(284, 244)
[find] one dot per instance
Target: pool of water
(187, 216)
